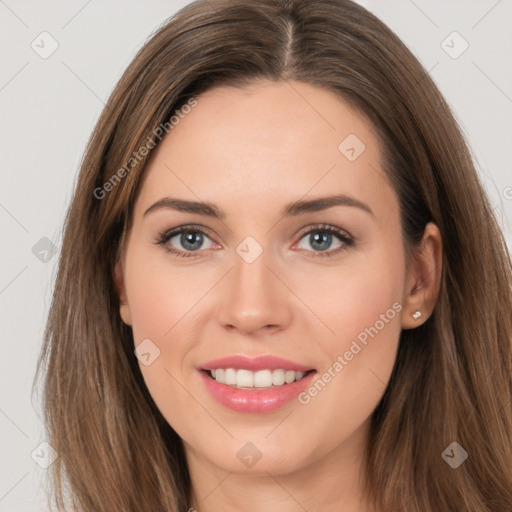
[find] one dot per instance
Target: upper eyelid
(170, 233)
(325, 227)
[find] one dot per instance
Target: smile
(255, 384)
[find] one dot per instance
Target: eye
(191, 238)
(320, 239)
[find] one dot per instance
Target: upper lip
(255, 363)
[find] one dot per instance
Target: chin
(257, 458)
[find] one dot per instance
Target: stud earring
(416, 315)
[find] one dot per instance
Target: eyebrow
(294, 209)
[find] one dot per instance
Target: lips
(255, 385)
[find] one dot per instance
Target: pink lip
(254, 364)
(255, 400)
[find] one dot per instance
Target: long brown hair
(452, 380)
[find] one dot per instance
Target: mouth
(255, 385)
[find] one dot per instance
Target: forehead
(269, 143)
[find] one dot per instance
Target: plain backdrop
(50, 104)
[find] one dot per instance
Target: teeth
(289, 377)
(220, 375)
(259, 379)
(263, 379)
(230, 376)
(278, 377)
(244, 379)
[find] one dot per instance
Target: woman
(207, 349)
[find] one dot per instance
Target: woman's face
(282, 281)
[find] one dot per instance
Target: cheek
(160, 295)
(164, 300)
(362, 308)
(358, 300)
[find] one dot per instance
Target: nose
(254, 298)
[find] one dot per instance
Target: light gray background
(48, 110)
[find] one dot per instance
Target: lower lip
(255, 400)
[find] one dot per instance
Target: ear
(124, 308)
(424, 278)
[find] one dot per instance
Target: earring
(416, 315)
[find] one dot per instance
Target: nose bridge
(254, 297)
(251, 274)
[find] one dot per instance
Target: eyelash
(164, 236)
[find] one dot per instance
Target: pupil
(317, 238)
(187, 240)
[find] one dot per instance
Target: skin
(286, 303)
